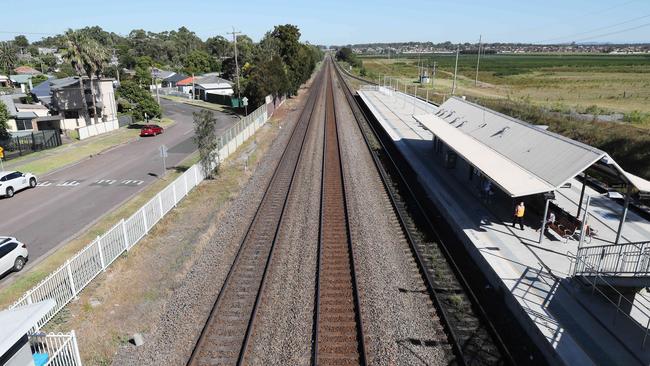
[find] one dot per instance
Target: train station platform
(570, 317)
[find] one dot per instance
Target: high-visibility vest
(520, 211)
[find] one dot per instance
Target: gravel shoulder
(400, 322)
(171, 336)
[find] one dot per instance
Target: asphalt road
(69, 200)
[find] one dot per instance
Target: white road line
(69, 183)
(44, 183)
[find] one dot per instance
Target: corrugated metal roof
(512, 178)
(549, 156)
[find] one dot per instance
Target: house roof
(15, 323)
(161, 74)
(4, 78)
(175, 78)
(26, 70)
(521, 158)
(213, 80)
(9, 101)
(29, 106)
(186, 81)
(20, 79)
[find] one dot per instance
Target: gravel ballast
(171, 340)
(282, 332)
(400, 322)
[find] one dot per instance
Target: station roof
(15, 323)
(521, 158)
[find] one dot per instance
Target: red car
(151, 130)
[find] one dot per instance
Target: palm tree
(88, 58)
(74, 53)
(7, 56)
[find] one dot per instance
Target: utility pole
(234, 39)
(117, 68)
(453, 86)
(478, 59)
(433, 78)
(193, 88)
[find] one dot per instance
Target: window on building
(23, 124)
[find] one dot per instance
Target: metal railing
(602, 287)
(625, 260)
(60, 349)
(65, 283)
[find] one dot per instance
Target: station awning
(510, 177)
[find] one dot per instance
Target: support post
(77, 357)
(543, 228)
(584, 225)
(624, 215)
(582, 194)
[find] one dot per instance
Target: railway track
(474, 339)
(338, 332)
(224, 336)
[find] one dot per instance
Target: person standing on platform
(520, 210)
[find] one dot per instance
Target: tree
(198, 62)
(267, 77)
(21, 41)
(140, 101)
(4, 117)
(7, 56)
(88, 58)
(218, 47)
(206, 140)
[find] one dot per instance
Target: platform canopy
(521, 158)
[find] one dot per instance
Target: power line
(612, 33)
(595, 29)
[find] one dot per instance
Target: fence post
(101, 253)
(144, 219)
(185, 180)
(174, 191)
(160, 205)
(126, 236)
(72, 287)
(196, 174)
(75, 346)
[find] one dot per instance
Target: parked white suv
(12, 182)
(13, 254)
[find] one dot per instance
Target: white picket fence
(64, 284)
(61, 349)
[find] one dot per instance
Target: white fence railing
(97, 129)
(64, 284)
(57, 349)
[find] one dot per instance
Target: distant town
(448, 47)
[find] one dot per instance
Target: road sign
(163, 151)
(244, 101)
(2, 153)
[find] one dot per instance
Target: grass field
(582, 83)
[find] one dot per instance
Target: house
(185, 85)
(24, 81)
(23, 116)
(158, 75)
(73, 102)
(67, 109)
(212, 84)
(4, 81)
(172, 80)
(26, 70)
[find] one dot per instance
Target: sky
(340, 22)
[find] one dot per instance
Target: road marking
(44, 183)
(104, 182)
(189, 131)
(131, 182)
(69, 183)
